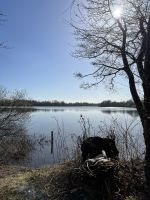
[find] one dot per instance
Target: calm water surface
(66, 119)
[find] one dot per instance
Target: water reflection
(66, 119)
(48, 109)
(107, 110)
(62, 109)
(132, 113)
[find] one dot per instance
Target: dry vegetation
(65, 182)
(44, 183)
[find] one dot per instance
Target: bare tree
(11, 118)
(115, 36)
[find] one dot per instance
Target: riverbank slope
(63, 182)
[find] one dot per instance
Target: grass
(33, 184)
(63, 182)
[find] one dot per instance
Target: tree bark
(135, 95)
(146, 87)
(147, 142)
(133, 89)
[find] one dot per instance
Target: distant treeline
(7, 102)
(23, 102)
(59, 103)
(109, 103)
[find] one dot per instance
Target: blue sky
(38, 58)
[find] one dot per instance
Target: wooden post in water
(52, 142)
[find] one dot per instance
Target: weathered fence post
(52, 142)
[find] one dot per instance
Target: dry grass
(33, 184)
(64, 182)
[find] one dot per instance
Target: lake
(66, 124)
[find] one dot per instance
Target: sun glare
(117, 12)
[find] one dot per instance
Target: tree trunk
(146, 87)
(147, 143)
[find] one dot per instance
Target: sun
(117, 13)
